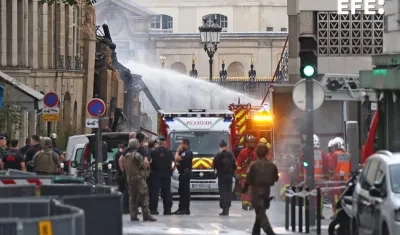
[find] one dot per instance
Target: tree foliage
(69, 2)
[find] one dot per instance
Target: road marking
(212, 226)
(177, 231)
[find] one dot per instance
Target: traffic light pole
(309, 143)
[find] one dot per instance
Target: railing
(237, 79)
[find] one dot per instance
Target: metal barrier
(102, 206)
(12, 172)
(17, 191)
(38, 216)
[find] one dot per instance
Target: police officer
(160, 177)
(35, 141)
(225, 165)
(136, 180)
(46, 161)
(13, 159)
(3, 146)
(184, 157)
(262, 174)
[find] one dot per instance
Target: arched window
(162, 23)
(222, 20)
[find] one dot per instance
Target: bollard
(109, 173)
(307, 211)
(319, 216)
(293, 210)
(300, 201)
(287, 202)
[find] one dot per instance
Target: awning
(17, 93)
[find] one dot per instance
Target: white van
(70, 153)
(76, 157)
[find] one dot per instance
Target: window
(202, 143)
(395, 178)
(283, 29)
(162, 22)
(370, 175)
(75, 46)
(222, 20)
(270, 29)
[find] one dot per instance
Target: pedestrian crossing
(155, 228)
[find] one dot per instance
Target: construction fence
(55, 209)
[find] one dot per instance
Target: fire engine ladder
(148, 94)
(345, 87)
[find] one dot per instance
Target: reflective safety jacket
(340, 165)
(321, 161)
(245, 157)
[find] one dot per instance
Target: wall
(243, 16)
(28, 50)
(264, 48)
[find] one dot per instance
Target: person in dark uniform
(184, 157)
(3, 146)
(13, 159)
(160, 177)
(225, 165)
(26, 147)
(36, 146)
(120, 176)
(262, 174)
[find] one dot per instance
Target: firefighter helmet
(264, 141)
(330, 143)
(338, 143)
(316, 142)
(251, 138)
(53, 136)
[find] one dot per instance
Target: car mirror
(375, 192)
(74, 164)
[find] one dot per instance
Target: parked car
(376, 200)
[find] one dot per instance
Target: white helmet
(316, 142)
(53, 136)
(330, 143)
(338, 143)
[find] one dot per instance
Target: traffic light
(308, 55)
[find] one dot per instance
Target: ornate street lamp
(210, 36)
(162, 60)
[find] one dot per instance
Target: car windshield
(395, 177)
(110, 155)
(201, 142)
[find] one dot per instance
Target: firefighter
(321, 163)
(339, 165)
(269, 146)
(243, 161)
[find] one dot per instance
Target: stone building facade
(49, 48)
(146, 30)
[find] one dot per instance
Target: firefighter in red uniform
(246, 156)
(340, 166)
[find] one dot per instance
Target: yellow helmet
(263, 141)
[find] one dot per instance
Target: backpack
(227, 162)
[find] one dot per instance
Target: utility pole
(56, 54)
(308, 71)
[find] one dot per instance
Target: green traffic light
(305, 164)
(308, 71)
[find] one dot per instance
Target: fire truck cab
(251, 120)
(205, 130)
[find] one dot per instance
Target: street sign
(96, 107)
(299, 95)
(92, 123)
(50, 99)
(51, 110)
(52, 117)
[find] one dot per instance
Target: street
(204, 220)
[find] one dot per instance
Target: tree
(70, 2)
